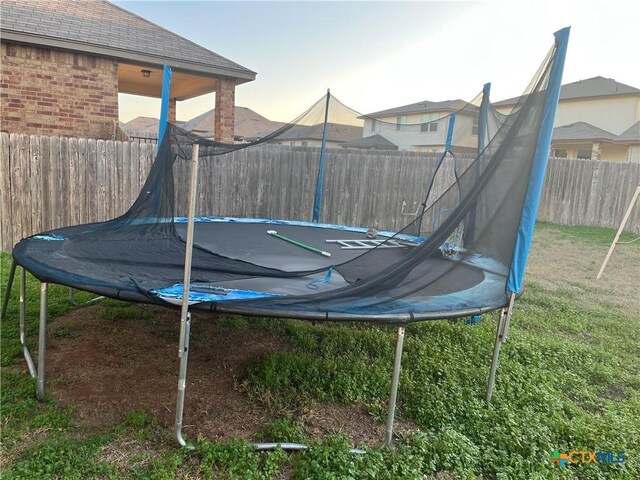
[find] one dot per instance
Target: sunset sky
(378, 55)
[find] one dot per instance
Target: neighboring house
(311, 136)
(592, 116)
(583, 140)
(247, 124)
(423, 126)
(64, 63)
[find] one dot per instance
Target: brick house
(63, 64)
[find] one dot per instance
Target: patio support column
(224, 121)
(172, 110)
(596, 151)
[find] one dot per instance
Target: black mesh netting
(448, 257)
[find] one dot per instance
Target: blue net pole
(452, 124)
(317, 201)
(470, 222)
(164, 103)
(541, 155)
(482, 118)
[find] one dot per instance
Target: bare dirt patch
(561, 264)
(107, 368)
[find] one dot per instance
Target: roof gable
(102, 28)
(376, 141)
(422, 107)
(581, 131)
(591, 87)
(630, 135)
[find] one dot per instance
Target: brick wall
(56, 92)
(224, 122)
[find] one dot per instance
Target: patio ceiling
(184, 85)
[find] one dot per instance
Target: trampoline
(462, 253)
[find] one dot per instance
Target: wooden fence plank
(101, 179)
(25, 174)
(81, 178)
(6, 213)
(17, 196)
(63, 193)
(35, 184)
(74, 182)
(92, 180)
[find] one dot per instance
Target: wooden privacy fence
(50, 182)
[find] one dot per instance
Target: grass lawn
(568, 379)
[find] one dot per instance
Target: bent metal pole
(185, 316)
(394, 386)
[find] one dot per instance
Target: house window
(429, 123)
(400, 121)
(584, 153)
(559, 153)
(375, 125)
(293, 144)
(474, 128)
(305, 144)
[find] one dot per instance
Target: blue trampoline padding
(49, 237)
(175, 292)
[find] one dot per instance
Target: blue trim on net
(317, 200)
(452, 124)
(532, 199)
(299, 223)
(314, 284)
(483, 117)
(164, 103)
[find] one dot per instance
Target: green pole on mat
(273, 233)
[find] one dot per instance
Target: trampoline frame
(183, 353)
(185, 329)
(514, 284)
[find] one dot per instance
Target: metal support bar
(501, 336)
(5, 300)
(185, 315)
(394, 386)
(182, 382)
(619, 232)
(42, 340)
(292, 447)
(23, 315)
(72, 298)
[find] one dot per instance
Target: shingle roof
(102, 28)
(581, 131)
(591, 87)
(336, 132)
(422, 107)
(376, 141)
(630, 135)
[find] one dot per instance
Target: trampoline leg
(182, 381)
(185, 315)
(501, 336)
(5, 300)
(23, 315)
(42, 340)
(394, 386)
